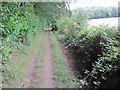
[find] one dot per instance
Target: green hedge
(19, 24)
(95, 48)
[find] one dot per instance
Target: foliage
(69, 26)
(17, 28)
(97, 48)
(101, 46)
(51, 11)
(100, 12)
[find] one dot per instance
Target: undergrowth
(97, 49)
(17, 28)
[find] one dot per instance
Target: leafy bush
(70, 26)
(100, 47)
(17, 28)
(95, 48)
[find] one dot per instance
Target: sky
(89, 3)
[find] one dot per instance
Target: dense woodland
(96, 50)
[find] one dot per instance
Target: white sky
(89, 3)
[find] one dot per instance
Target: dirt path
(38, 65)
(48, 71)
(46, 77)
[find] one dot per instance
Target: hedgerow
(17, 27)
(96, 51)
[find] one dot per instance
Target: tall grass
(62, 76)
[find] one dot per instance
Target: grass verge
(63, 78)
